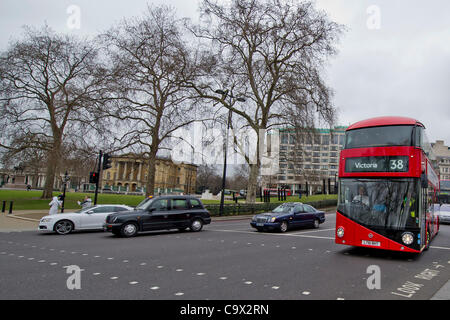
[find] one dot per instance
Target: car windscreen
(144, 204)
(379, 137)
(284, 208)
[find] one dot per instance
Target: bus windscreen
(382, 203)
(379, 137)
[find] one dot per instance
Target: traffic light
(106, 161)
(93, 177)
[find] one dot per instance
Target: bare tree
(49, 84)
(272, 52)
(150, 64)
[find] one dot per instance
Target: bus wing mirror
(424, 180)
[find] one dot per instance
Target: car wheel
(196, 225)
(284, 226)
(316, 224)
(129, 229)
(63, 227)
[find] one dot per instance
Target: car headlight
(273, 219)
(407, 238)
(254, 218)
(46, 220)
(340, 232)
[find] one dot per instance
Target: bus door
(422, 215)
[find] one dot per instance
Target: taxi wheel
(196, 225)
(284, 226)
(129, 229)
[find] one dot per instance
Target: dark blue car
(287, 216)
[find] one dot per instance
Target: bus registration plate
(371, 243)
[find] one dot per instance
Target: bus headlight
(407, 238)
(340, 232)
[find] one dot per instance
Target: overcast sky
(394, 58)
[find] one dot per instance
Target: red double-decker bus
(387, 186)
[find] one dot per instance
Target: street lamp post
(66, 178)
(224, 175)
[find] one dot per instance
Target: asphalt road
(227, 260)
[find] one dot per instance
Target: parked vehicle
(287, 216)
(92, 218)
(444, 213)
(160, 213)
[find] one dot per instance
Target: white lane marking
(85, 254)
(179, 270)
(160, 267)
(125, 261)
(248, 282)
(313, 231)
(275, 234)
(143, 264)
(442, 248)
(275, 287)
(225, 278)
(96, 256)
(96, 273)
(306, 293)
(40, 261)
(114, 278)
(133, 282)
(201, 273)
(110, 258)
(179, 293)
(154, 288)
(53, 263)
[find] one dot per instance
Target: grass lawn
(30, 200)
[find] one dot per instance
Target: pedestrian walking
(54, 205)
(87, 203)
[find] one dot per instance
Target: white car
(86, 219)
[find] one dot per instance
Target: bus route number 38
(396, 165)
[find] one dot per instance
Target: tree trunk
(50, 175)
(255, 168)
(53, 158)
(252, 183)
(151, 171)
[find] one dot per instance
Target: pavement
(17, 222)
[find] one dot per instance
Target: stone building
(442, 153)
(129, 174)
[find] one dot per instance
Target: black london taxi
(159, 213)
(287, 216)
